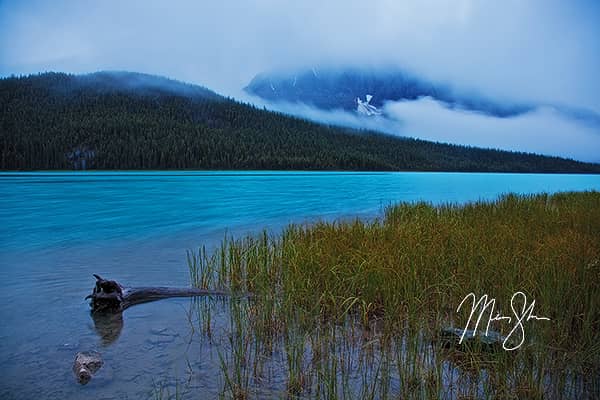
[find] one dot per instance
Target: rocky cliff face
(345, 88)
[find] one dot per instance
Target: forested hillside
(113, 120)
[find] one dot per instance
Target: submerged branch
(111, 296)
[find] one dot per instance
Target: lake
(57, 228)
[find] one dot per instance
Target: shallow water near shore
(58, 228)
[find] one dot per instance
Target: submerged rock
(86, 364)
(450, 337)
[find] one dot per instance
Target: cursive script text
(522, 312)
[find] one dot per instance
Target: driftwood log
(111, 296)
(108, 300)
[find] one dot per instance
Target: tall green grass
(356, 307)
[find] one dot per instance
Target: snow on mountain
(344, 88)
(365, 108)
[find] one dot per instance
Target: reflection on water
(108, 326)
(57, 229)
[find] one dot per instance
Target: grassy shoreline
(356, 307)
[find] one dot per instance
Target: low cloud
(546, 130)
(539, 50)
(536, 51)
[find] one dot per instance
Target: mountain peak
(339, 88)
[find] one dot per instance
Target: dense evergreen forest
(120, 120)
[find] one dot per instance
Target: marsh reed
(354, 309)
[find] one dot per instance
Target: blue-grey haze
(538, 51)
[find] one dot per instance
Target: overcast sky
(545, 51)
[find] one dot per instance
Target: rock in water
(490, 341)
(86, 364)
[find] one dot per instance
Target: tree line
(102, 121)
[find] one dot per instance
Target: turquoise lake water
(56, 229)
